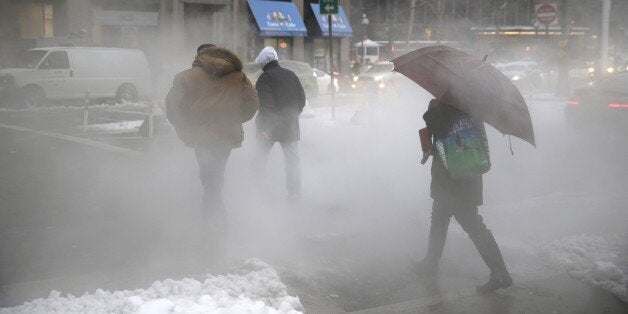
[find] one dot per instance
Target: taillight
(618, 105)
(573, 102)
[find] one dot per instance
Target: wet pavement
(78, 217)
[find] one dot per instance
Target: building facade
(167, 28)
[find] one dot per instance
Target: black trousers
(466, 215)
(211, 163)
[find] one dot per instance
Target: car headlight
(355, 78)
(381, 85)
(516, 78)
(352, 85)
(610, 70)
(379, 77)
(591, 70)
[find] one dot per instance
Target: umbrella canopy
(471, 85)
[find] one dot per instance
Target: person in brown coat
(207, 106)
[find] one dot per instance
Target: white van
(69, 72)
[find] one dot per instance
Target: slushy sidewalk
(556, 294)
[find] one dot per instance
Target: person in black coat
(459, 198)
(281, 101)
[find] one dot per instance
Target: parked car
(323, 80)
(304, 72)
(605, 101)
(378, 77)
(526, 75)
(69, 72)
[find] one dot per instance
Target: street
(78, 216)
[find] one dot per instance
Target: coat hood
(217, 61)
(265, 56)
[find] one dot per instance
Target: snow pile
(117, 126)
(589, 258)
(79, 106)
(255, 289)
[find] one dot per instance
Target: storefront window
(282, 45)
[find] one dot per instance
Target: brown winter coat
(208, 103)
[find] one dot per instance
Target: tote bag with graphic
(464, 150)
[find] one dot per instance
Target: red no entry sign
(546, 14)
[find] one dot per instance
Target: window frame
(66, 65)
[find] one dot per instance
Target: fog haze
(76, 216)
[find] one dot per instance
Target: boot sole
(501, 285)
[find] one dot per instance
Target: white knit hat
(265, 56)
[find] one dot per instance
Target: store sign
(328, 6)
(275, 18)
(129, 18)
(339, 22)
(279, 19)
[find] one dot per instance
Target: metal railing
(153, 111)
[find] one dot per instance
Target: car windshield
(30, 59)
(379, 68)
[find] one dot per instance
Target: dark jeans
(466, 215)
(211, 163)
(292, 161)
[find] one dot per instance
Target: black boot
(438, 236)
(492, 256)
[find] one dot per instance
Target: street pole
(365, 24)
(424, 15)
(480, 13)
(331, 67)
(606, 10)
(411, 21)
(562, 86)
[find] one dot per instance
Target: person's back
(440, 119)
(209, 102)
(282, 99)
(285, 86)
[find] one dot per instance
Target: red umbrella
(471, 85)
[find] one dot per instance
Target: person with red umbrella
(458, 197)
(468, 93)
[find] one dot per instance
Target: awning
(339, 22)
(276, 18)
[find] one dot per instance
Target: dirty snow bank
(589, 258)
(117, 126)
(255, 288)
